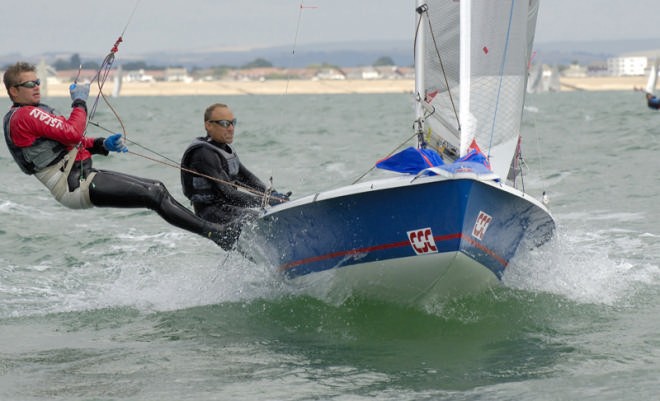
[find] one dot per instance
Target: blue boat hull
(426, 224)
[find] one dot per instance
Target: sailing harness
(51, 163)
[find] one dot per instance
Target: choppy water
(110, 304)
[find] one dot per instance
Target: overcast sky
(91, 27)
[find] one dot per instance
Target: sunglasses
(29, 84)
(224, 123)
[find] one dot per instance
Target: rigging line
(499, 87)
(442, 66)
(388, 155)
(132, 142)
(104, 71)
(218, 180)
(295, 43)
(175, 164)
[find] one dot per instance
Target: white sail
(475, 73)
(653, 77)
(535, 79)
(42, 74)
(116, 87)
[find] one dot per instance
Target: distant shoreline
(277, 87)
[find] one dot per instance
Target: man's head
(22, 84)
(219, 123)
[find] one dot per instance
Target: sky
(91, 27)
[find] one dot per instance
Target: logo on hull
(422, 241)
(481, 225)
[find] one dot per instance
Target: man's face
(25, 95)
(215, 125)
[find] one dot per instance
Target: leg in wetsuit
(233, 217)
(113, 189)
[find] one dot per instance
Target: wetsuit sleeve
(246, 177)
(31, 123)
(95, 146)
(209, 163)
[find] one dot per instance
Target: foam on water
(585, 267)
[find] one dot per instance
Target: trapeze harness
(51, 163)
(200, 189)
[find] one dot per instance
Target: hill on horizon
(356, 54)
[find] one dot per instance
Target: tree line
(75, 62)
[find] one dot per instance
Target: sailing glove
(115, 143)
(79, 92)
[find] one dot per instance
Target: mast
(419, 72)
(465, 75)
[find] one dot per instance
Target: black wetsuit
(218, 200)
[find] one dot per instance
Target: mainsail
(475, 55)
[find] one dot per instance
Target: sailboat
(652, 101)
(452, 215)
(117, 82)
(652, 79)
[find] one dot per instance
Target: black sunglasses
(29, 84)
(224, 123)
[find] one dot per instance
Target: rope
(425, 10)
(101, 77)
(295, 42)
(499, 87)
(388, 155)
(172, 163)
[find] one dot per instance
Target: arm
(31, 123)
(248, 179)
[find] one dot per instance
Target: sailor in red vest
(56, 150)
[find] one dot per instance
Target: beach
(282, 87)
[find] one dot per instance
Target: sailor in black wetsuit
(56, 151)
(220, 187)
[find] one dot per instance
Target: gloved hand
(79, 92)
(115, 143)
(276, 198)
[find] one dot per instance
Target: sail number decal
(481, 225)
(422, 241)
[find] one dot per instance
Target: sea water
(115, 304)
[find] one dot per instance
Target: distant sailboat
(553, 83)
(653, 77)
(116, 87)
(42, 74)
(535, 79)
(543, 79)
(652, 101)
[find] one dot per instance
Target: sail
(653, 77)
(119, 77)
(535, 79)
(42, 74)
(554, 80)
(476, 54)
